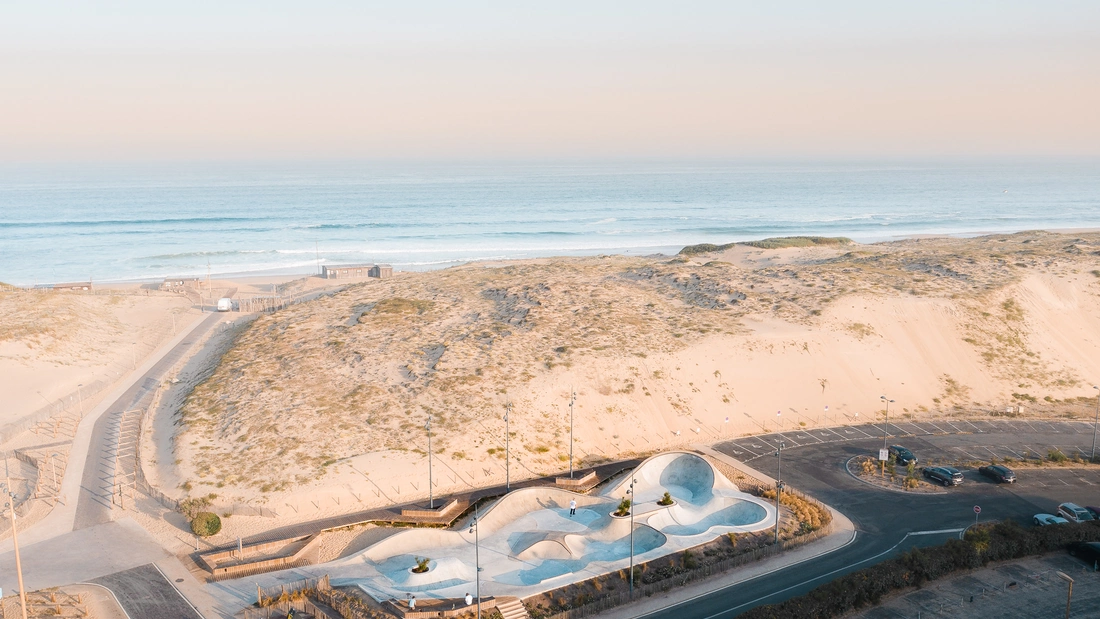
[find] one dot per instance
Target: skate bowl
(528, 542)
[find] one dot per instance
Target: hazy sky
(440, 80)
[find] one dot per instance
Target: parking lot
(1015, 590)
(813, 461)
(954, 439)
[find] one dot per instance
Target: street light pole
(632, 503)
(507, 454)
(1094, 421)
(572, 399)
(885, 428)
(778, 486)
(477, 561)
(15, 543)
(428, 429)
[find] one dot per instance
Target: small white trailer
(225, 304)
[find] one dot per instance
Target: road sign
(977, 509)
(884, 454)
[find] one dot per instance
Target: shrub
(205, 524)
(665, 500)
(810, 516)
(190, 507)
(624, 507)
(1055, 455)
(689, 560)
(421, 565)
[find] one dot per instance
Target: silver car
(1074, 513)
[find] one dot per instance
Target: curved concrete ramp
(681, 521)
(546, 549)
(529, 542)
(443, 573)
(688, 477)
(527, 501)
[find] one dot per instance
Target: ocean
(148, 221)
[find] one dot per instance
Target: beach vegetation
(205, 524)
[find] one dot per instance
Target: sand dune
(661, 352)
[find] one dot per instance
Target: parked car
(946, 475)
(1095, 511)
(902, 455)
(1089, 552)
(1043, 520)
(998, 473)
(1074, 513)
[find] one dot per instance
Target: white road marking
(969, 455)
(733, 611)
(860, 430)
(922, 430)
(954, 426)
(942, 431)
(974, 426)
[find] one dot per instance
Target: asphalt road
(891, 522)
(145, 592)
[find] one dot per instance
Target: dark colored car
(902, 455)
(1089, 552)
(998, 473)
(1095, 511)
(946, 475)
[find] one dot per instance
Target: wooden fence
(64, 404)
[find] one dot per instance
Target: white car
(1043, 520)
(1074, 513)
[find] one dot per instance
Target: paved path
(98, 483)
(80, 555)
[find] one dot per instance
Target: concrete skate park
(528, 542)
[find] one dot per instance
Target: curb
(905, 492)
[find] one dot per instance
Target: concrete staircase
(512, 608)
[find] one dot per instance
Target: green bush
(624, 508)
(992, 542)
(205, 524)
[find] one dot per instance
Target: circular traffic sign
(977, 509)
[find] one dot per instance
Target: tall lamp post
(507, 456)
(572, 399)
(778, 486)
(632, 503)
(477, 561)
(1094, 421)
(428, 429)
(15, 542)
(885, 428)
